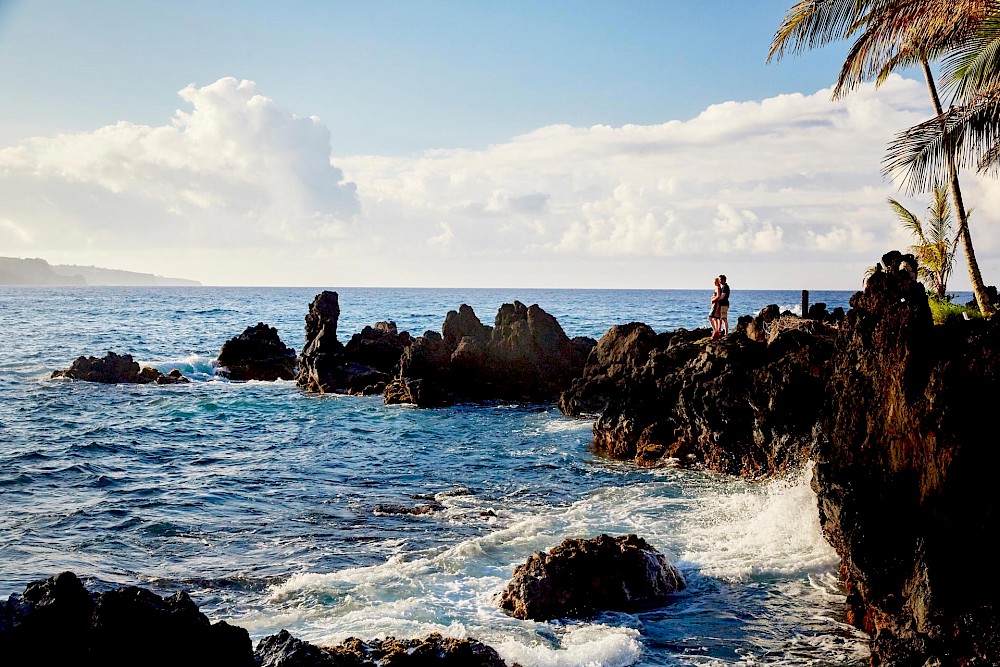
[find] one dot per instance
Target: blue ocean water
(260, 500)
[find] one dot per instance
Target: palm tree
(892, 34)
(935, 247)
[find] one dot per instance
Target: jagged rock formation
(117, 369)
(905, 474)
(284, 650)
(581, 577)
(257, 354)
(322, 353)
(525, 356)
(58, 622)
(735, 405)
(364, 366)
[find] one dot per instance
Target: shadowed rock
(364, 366)
(581, 577)
(283, 650)
(58, 622)
(733, 404)
(116, 369)
(525, 356)
(257, 354)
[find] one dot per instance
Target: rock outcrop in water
(524, 356)
(581, 577)
(117, 369)
(364, 366)
(257, 354)
(743, 404)
(284, 650)
(905, 474)
(58, 622)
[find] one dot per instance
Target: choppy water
(260, 500)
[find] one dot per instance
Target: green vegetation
(935, 247)
(942, 309)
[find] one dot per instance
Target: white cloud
(744, 184)
(236, 164)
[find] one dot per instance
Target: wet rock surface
(525, 356)
(115, 368)
(581, 577)
(905, 474)
(257, 354)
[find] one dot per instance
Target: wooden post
(805, 303)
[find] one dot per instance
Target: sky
(439, 144)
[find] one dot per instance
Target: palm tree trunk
(975, 276)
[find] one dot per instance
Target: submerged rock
(581, 577)
(58, 622)
(525, 356)
(257, 354)
(116, 369)
(284, 650)
(905, 474)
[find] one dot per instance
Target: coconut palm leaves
(888, 35)
(969, 131)
(936, 246)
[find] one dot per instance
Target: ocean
(261, 500)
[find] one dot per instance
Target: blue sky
(396, 77)
(556, 144)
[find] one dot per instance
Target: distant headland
(17, 271)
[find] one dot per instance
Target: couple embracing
(719, 317)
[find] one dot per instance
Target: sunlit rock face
(905, 473)
(579, 578)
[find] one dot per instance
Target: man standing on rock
(723, 312)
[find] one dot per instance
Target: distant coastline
(17, 271)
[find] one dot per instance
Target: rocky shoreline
(889, 406)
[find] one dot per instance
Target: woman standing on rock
(713, 315)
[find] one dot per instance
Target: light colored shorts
(723, 313)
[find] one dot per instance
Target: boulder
(58, 622)
(733, 404)
(284, 650)
(579, 578)
(257, 354)
(526, 356)
(905, 473)
(116, 369)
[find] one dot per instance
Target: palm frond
(900, 33)
(906, 218)
(812, 23)
(973, 67)
(920, 156)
